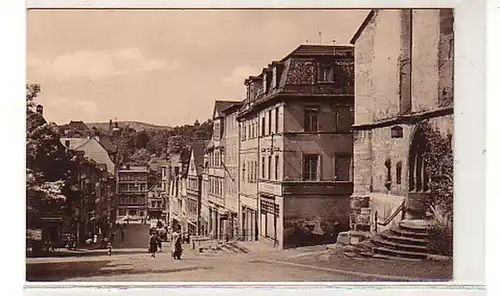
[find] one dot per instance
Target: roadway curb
(380, 277)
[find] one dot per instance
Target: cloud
(60, 104)
(93, 64)
(239, 75)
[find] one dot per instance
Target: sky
(164, 67)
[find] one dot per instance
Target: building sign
(34, 234)
(269, 207)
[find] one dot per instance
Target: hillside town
(338, 159)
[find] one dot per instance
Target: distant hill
(137, 125)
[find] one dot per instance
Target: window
(216, 130)
(243, 172)
(311, 162)
(263, 131)
(270, 122)
(276, 167)
(269, 159)
(263, 168)
(325, 73)
(244, 130)
(311, 119)
(249, 172)
(276, 119)
(122, 212)
(217, 158)
(255, 168)
(343, 167)
(132, 212)
(398, 172)
(344, 118)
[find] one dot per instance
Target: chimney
(110, 125)
(67, 143)
(39, 109)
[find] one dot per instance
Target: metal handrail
(389, 219)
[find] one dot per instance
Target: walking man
(153, 245)
(122, 234)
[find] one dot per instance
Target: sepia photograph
(240, 145)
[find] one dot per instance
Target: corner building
(296, 147)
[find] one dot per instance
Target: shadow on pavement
(50, 272)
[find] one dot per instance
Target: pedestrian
(153, 245)
(176, 245)
(122, 234)
(158, 241)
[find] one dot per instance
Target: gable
(95, 151)
(216, 113)
(192, 165)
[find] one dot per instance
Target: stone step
(391, 236)
(408, 233)
(418, 226)
(389, 257)
(229, 248)
(380, 241)
(400, 253)
(238, 247)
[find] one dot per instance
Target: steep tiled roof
(220, 105)
(93, 150)
(78, 125)
(232, 108)
(74, 143)
(312, 50)
(107, 144)
(198, 149)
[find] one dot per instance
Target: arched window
(399, 168)
(388, 179)
(419, 180)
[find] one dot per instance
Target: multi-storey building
(156, 203)
(164, 167)
(404, 77)
(103, 213)
(222, 212)
(132, 189)
(177, 189)
(297, 163)
(248, 153)
(194, 184)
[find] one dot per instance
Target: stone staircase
(409, 241)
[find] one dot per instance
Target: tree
(439, 167)
(140, 157)
(47, 164)
(142, 139)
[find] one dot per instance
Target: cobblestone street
(136, 265)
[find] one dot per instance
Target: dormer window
(325, 73)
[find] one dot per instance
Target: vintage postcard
(240, 145)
